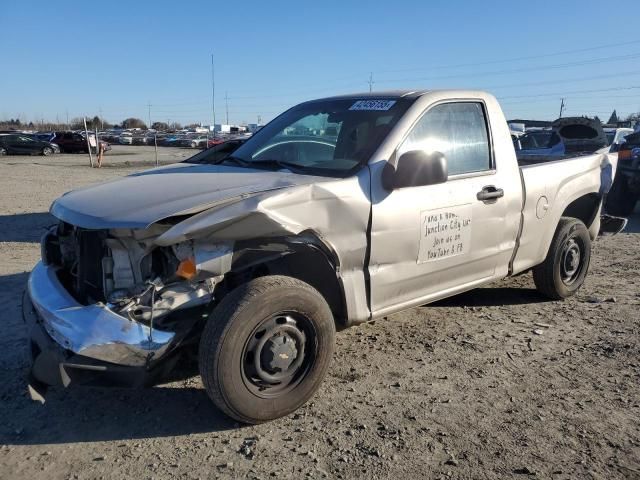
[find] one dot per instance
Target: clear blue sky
(115, 57)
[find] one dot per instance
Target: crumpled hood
(141, 199)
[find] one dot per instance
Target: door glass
(459, 131)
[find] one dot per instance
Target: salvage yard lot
(494, 383)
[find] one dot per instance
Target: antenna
(226, 101)
(213, 97)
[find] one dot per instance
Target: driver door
(430, 241)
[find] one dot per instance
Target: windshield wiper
(294, 167)
(232, 159)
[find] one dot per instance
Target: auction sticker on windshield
(445, 232)
(379, 105)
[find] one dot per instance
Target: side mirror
(417, 168)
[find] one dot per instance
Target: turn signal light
(187, 269)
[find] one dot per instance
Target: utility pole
(259, 119)
(213, 97)
(226, 102)
(562, 106)
(371, 82)
(101, 120)
(67, 118)
(149, 106)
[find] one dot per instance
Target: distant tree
(77, 123)
(133, 123)
(160, 126)
(193, 125)
(634, 117)
(613, 118)
(175, 126)
(597, 119)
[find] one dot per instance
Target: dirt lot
(495, 383)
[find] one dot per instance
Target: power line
(551, 82)
(516, 59)
(615, 58)
(575, 91)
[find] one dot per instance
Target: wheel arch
(584, 208)
(305, 257)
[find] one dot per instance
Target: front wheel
(266, 348)
(563, 271)
(3, 151)
(46, 151)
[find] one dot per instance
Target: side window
(459, 131)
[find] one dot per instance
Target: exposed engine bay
(135, 278)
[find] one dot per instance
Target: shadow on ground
(24, 227)
(492, 297)
(90, 414)
(85, 414)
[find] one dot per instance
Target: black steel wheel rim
(279, 354)
(571, 260)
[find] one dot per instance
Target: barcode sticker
(379, 105)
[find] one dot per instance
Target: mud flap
(610, 225)
(37, 389)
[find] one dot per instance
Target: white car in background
(125, 139)
(616, 136)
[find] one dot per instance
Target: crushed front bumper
(86, 343)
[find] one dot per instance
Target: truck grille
(78, 253)
(88, 279)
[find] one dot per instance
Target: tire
(621, 200)
(253, 339)
(563, 271)
(3, 151)
(46, 151)
(194, 145)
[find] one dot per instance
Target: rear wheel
(3, 151)
(563, 271)
(266, 348)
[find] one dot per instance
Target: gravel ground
(495, 383)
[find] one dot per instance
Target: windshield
(332, 137)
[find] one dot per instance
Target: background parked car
(21, 144)
(72, 142)
(44, 136)
(625, 192)
(616, 137)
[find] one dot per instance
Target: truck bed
(525, 160)
(547, 183)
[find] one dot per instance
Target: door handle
(490, 194)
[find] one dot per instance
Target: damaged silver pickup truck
(339, 211)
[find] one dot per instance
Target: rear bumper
(69, 339)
